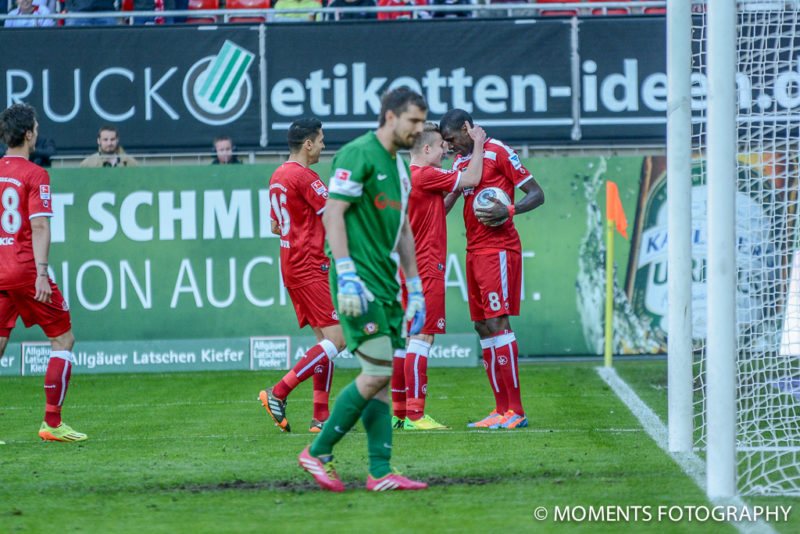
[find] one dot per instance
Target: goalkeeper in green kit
(365, 223)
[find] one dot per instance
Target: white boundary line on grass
(689, 463)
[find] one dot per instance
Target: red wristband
(511, 210)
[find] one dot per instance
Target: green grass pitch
(195, 453)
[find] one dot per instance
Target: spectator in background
(29, 7)
(295, 4)
(451, 14)
(153, 5)
(224, 147)
(88, 6)
(357, 15)
(109, 152)
(402, 14)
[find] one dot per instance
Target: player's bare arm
(335, 230)
(407, 252)
(534, 197)
(40, 237)
(450, 200)
(472, 175)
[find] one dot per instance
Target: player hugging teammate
(494, 263)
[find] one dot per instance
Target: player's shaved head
(454, 119)
(15, 122)
(302, 129)
(430, 134)
(398, 100)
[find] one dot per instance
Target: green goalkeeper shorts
(382, 319)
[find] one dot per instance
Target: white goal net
(768, 270)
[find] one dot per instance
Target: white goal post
(740, 359)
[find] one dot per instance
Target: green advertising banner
(180, 260)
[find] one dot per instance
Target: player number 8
(279, 208)
(11, 219)
(494, 301)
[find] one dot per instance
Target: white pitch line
(688, 462)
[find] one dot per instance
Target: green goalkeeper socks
(346, 411)
(378, 423)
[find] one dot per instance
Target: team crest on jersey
(485, 365)
(64, 305)
(440, 323)
(370, 328)
(45, 203)
(44, 192)
(502, 360)
(342, 174)
(320, 188)
(318, 370)
(334, 315)
(424, 389)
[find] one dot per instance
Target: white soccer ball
(483, 200)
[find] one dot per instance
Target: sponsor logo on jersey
(342, 174)
(44, 192)
(320, 188)
(382, 201)
(440, 266)
(468, 191)
(370, 328)
(325, 267)
(6, 241)
(514, 159)
(217, 89)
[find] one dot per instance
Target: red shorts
(53, 317)
(313, 305)
(494, 283)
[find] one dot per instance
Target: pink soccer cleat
(323, 472)
(393, 481)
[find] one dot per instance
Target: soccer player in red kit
(25, 286)
(297, 197)
(426, 215)
(494, 263)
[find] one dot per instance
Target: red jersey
(501, 168)
(297, 199)
(25, 194)
(426, 215)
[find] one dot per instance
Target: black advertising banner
(512, 76)
(547, 81)
(623, 81)
(163, 88)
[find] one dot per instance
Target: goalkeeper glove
(353, 296)
(415, 309)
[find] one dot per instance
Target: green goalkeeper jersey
(377, 186)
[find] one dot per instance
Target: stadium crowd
(286, 10)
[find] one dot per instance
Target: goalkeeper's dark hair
(302, 129)
(454, 119)
(15, 122)
(397, 101)
(429, 132)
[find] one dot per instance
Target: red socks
(399, 384)
(495, 377)
(56, 382)
(323, 372)
(506, 361)
(416, 378)
(317, 363)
